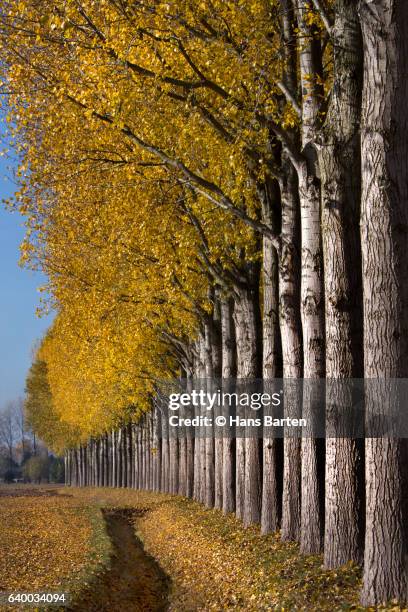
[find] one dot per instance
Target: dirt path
(135, 582)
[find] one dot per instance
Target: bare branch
(290, 97)
(322, 9)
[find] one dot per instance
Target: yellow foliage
(144, 136)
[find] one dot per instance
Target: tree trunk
(124, 443)
(89, 463)
(209, 431)
(149, 450)
(182, 476)
(249, 349)
(71, 468)
(165, 487)
(174, 460)
(140, 452)
(217, 368)
(289, 298)
(78, 466)
(312, 301)
(85, 464)
(202, 438)
(110, 459)
(144, 452)
(291, 334)
(105, 461)
(120, 461)
(66, 468)
(114, 461)
(129, 452)
(189, 490)
(197, 441)
(341, 191)
(228, 372)
(271, 355)
(132, 451)
(135, 456)
(94, 467)
(91, 456)
(190, 465)
(98, 462)
(82, 466)
(156, 447)
(384, 229)
(77, 472)
(74, 468)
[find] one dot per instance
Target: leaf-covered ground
(46, 539)
(63, 540)
(216, 564)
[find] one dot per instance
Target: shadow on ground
(134, 581)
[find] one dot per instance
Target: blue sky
(19, 325)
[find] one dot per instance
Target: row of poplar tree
(219, 189)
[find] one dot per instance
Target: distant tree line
(23, 458)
